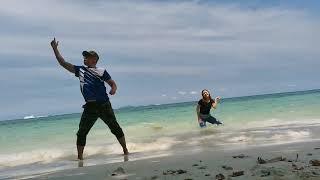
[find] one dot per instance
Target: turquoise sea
(37, 145)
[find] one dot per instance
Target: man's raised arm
(68, 66)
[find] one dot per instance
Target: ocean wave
(34, 117)
(41, 155)
(273, 123)
(69, 153)
(29, 117)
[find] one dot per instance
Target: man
(94, 92)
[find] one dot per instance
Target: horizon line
(286, 93)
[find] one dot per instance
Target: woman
(203, 109)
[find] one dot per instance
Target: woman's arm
(216, 101)
(198, 112)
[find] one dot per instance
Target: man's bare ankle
(80, 158)
(125, 151)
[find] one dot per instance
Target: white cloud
(193, 92)
(174, 98)
(206, 30)
(182, 92)
(162, 70)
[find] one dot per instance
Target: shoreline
(211, 144)
(208, 163)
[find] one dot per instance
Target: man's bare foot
(80, 163)
(125, 158)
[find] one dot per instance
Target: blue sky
(157, 51)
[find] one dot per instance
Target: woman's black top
(205, 106)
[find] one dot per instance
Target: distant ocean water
(39, 144)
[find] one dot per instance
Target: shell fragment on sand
(241, 156)
(220, 177)
(237, 173)
(273, 160)
(174, 172)
(227, 167)
(314, 162)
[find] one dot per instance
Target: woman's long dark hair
(209, 94)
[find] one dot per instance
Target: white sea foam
(29, 117)
(41, 155)
(291, 135)
(274, 123)
(51, 155)
(33, 116)
(241, 138)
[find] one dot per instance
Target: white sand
(206, 164)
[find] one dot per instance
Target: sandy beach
(286, 161)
